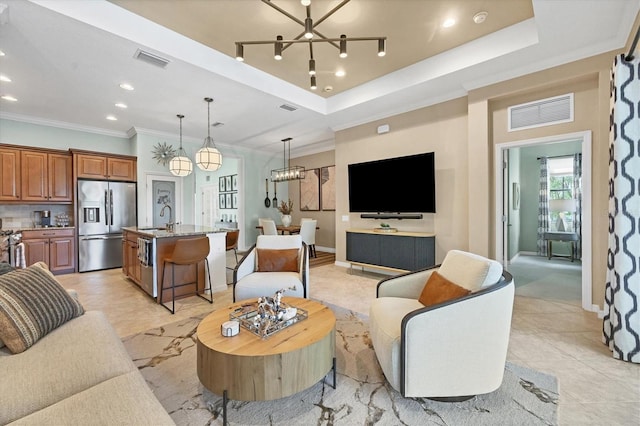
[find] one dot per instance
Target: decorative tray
(385, 230)
(249, 318)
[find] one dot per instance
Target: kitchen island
(145, 248)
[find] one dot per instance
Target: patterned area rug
(166, 357)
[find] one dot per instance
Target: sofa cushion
(438, 289)
(121, 400)
(80, 354)
(32, 304)
(261, 284)
(469, 270)
(278, 260)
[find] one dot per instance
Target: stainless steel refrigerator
(103, 209)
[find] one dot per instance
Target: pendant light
(180, 165)
(208, 158)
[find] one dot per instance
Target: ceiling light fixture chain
(310, 35)
(208, 158)
(287, 172)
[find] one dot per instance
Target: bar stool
(231, 240)
(186, 252)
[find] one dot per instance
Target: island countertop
(179, 231)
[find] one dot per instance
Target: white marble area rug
(166, 357)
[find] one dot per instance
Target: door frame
(500, 226)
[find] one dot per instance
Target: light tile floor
(549, 333)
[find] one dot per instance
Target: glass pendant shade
(208, 158)
(180, 165)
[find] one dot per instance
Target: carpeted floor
(166, 357)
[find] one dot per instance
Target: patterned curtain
(543, 207)
(577, 195)
(621, 325)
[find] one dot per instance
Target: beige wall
(463, 133)
(326, 235)
(442, 129)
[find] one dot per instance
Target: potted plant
(285, 208)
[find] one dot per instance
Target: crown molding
(62, 125)
(133, 131)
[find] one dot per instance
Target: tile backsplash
(21, 216)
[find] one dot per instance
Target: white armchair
(249, 282)
(451, 350)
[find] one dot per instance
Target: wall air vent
(544, 112)
(217, 124)
(152, 59)
(288, 107)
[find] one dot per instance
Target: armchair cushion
(274, 260)
(438, 289)
(470, 270)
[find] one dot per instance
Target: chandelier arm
(329, 13)
(320, 40)
(284, 12)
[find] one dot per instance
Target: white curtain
(621, 325)
(543, 206)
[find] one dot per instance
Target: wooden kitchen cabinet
(130, 263)
(93, 166)
(9, 174)
(46, 177)
(53, 246)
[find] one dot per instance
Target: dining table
(291, 229)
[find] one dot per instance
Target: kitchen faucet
(169, 225)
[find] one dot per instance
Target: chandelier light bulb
(343, 46)
(382, 49)
(239, 52)
(278, 49)
(314, 86)
(312, 67)
(305, 2)
(308, 28)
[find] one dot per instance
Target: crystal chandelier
(180, 165)
(208, 158)
(287, 172)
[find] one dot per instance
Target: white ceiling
(66, 59)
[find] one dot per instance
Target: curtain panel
(621, 324)
(543, 207)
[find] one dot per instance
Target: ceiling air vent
(544, 112)
(288, 107)
(150, 58)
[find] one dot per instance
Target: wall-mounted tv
(394, 185)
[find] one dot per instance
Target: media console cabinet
(403, 251)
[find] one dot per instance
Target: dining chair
(231, 240)
(268, 226)
(308, 233)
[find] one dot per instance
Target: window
(561, 200)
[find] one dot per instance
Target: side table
(572, 237)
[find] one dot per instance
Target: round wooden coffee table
(246, 367)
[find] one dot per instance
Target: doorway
(503, 205)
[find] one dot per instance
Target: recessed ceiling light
(5, 79)
(111, 118)
(480, 17)
(450, 22)
(121, 105)
(126, 86)
(9, 98)
(340, 73)
(1, 53)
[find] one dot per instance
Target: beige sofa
(79, 374)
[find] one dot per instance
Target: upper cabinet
(93, 166)
(9, 174)
(35, 175)
(46, 176)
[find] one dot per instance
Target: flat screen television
(393, 185)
